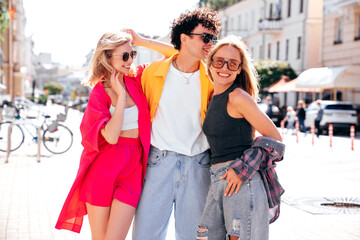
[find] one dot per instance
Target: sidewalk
(32, 194)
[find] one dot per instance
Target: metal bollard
(8, 149)
(39, 143)
(313, 133)
(352, 136)
(331, 133)
(297, 131)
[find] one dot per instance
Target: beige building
(284, 30)
(341, 41)
(14, 48)
(341, 33)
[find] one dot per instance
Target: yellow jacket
(153, 80)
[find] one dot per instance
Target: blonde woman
(115, 133)
(236, 205)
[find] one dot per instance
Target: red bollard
(312, 132)
(297, 131)
(282, 124)
(352, 136)
(331, 134)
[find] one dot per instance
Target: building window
(261, 52)
(298, 47)
(301, 6)
(339, 31)
(239, 22)
(278, 50)
(287, 50)
(269, 51)
(357, 24)
(289, 8)
(271, 11)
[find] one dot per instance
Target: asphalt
(313, 175)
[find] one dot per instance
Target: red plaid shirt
(262, 157)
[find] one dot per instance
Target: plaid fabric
(262, 157)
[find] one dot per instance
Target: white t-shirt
(176, 125)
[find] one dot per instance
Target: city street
(314, 177)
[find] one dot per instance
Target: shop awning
(330, 78)
(286, 85)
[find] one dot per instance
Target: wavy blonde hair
(247, 79)
(100, 68)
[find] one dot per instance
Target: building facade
(284, 30)
(14, 48)
(341, 40)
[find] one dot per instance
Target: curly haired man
(178, 92)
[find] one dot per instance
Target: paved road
(32, 194)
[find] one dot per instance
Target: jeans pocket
(203, 160)
(154, 159)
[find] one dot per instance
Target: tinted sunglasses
(206, 37)
(219, 62)
(126, 55)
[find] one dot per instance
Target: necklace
(182, 74)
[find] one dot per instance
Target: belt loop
(164, 153)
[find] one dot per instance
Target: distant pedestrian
(318, 118)
(301, 115)
(291, 119)
(269, 105)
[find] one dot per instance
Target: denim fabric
(244, 214)
(172, 180)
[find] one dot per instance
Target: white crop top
(130, 117)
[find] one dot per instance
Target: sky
(69, 29)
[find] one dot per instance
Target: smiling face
(117, 61)
(223, 75)
(195, 44)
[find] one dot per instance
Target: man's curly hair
(189, 20)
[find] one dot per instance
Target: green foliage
(54, 88)
(4, 22)
(271, 71)
(41, 100)
(217, 4)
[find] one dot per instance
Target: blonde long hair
(248, 77)
(100, 68)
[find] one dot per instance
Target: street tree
(53, 88)
(270, 71)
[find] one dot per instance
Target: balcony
(271, 25)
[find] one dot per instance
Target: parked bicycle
(56, 137)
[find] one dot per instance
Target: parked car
(341, 115)
(277, 114)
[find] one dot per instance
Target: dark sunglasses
(126, 55)
(206, 37)
(219, 62)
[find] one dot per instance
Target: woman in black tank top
(229, 125)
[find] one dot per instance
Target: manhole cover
(341, 205)
(323, 205)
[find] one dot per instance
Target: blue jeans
(172, 180)
(244, 214)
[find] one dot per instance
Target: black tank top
(228, 137)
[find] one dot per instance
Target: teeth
(224, 75)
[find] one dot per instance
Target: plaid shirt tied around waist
(262, 157)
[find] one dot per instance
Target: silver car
(341, 115)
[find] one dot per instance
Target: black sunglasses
(206, 37)
(219, 62)
(126, 55)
